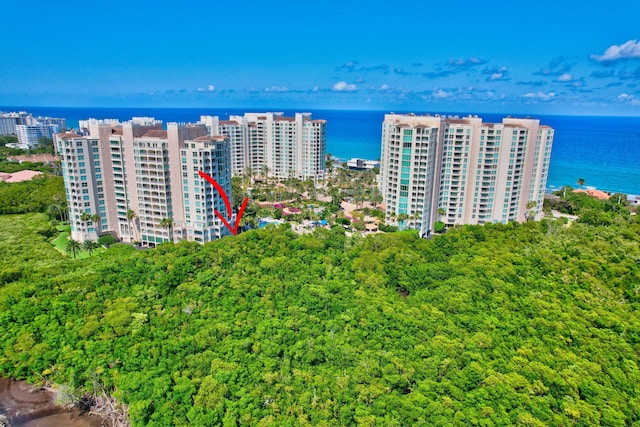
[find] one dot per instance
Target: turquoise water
(605, 151)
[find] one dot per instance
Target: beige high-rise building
(142, 183)
(408, 160)
(284, 147)
(236, 130)
(483, 172)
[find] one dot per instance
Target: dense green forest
(36, 195)
(534, 324)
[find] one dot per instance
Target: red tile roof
(68, 135)
(594, 193)
(25, 175)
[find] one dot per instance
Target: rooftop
(594, 193)
(156, 133)
(25, 175)
(36, 158)
(69, 135)
(211, 138)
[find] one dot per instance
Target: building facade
(274, 145)
(474, 172)
(407, 164)
(141, 183)
(29, 135)
(10, 121)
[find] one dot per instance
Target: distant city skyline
(543, 58)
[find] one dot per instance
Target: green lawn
(60, 243)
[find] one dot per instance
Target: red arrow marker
(227, 204)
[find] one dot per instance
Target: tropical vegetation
(533, 324)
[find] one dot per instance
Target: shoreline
(26, 406)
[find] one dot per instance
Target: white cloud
(630, 49)
(276, 89)
(628, 99)
(209, 88)
(441, 94)
(496, 76)
(344, 87)
(384, 88)
(566, 77)
(541, 96)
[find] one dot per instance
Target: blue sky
(548, 57)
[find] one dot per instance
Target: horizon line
(386, 111)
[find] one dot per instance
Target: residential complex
(141, 183)
(463, 171)
(29, 129)
(29, 135)
(273, 144)
(8, 121)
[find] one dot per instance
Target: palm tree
(84, 217)
(95, 218)
(414, 219)
(531, 213)
(393, 216)
(376, 197)
(168, 224)
(328, 163)
(248, 174)
(358, 197)
(130, 216)
(90, 246)
(73, 246)
(336, 196)
(441, 213)
(402, 218)
(581, 182)
(61, 205)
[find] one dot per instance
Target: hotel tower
(141, 183)
(282, 147)
(462, 171)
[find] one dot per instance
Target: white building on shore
(362, 164)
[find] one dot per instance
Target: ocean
(604, 151)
